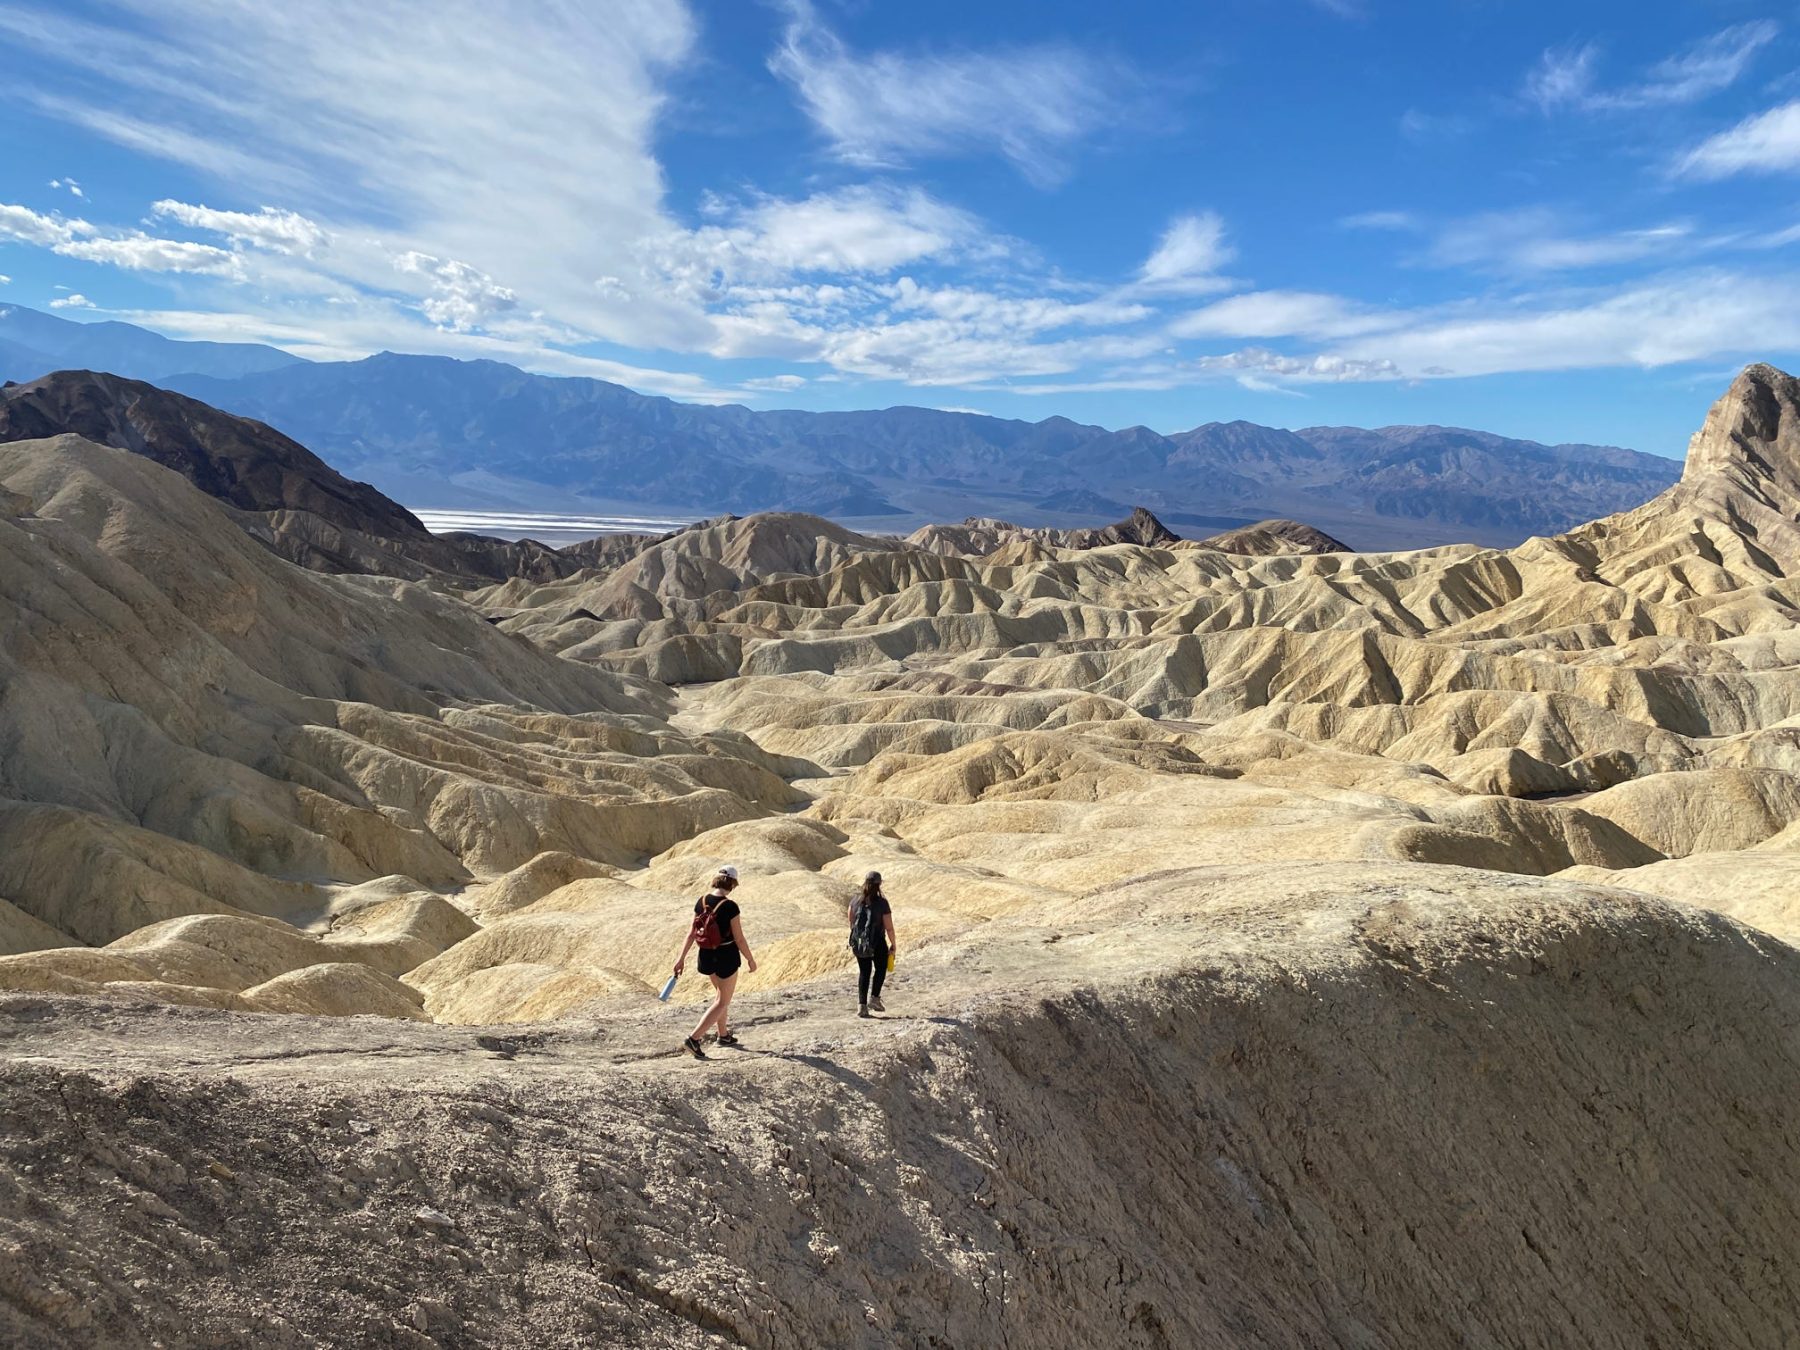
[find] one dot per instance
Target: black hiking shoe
(693, 1047)
(729, 1038)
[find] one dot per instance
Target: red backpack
(708, 933)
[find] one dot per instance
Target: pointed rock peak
(1752, 434)
(1142, 527)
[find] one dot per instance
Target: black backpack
(865, 930)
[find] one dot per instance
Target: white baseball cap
(728, 872)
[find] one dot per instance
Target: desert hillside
(1298, 947)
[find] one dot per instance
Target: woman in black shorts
(720, 963)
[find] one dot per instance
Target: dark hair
(871, 887)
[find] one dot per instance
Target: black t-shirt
(881, 907)
(727, 911)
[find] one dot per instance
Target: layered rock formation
(1297, 948)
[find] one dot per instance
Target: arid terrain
(1297, 947)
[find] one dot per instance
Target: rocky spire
(1751, 438)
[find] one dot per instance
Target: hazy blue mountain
(19, 363)
(33, 343)
(394, 418)
(439, 427)
(412, 416)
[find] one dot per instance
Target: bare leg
(721, 1004)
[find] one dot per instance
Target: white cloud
(270, 228)
(868, 229)
(776, 384)
(985, 311)
(942, 352)
(1711, 315)
(1534, 239)
(1562, 77)
(1689, 317)
(463, 298)
(1271, 314)
(1324, 368)
(1708, 66)
(135, 251)
(1766, 143)
(25, 226)
(74, 301)
(1187, 257)
(68, 185)
(147, 253)
(932, 335)
(5, 281)
(1028, 104)
(513, 137)
(1565, 78)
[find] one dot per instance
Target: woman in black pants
(871, 938)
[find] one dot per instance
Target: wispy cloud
(1030, 105)
(364, 121)
(1537, 239)
(1708, 315)
(72, 301)
(1766, 143)
(1188, 256)
(1686, 317)
(1271, 314)
(1567, 77)
(68, 185)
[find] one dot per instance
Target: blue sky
(1563, 222)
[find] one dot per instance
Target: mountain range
(436, 431)
(284, 495)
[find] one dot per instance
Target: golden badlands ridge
(1298, 949)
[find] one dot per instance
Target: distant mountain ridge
(303, 509)
(420, 426)
(33, 343)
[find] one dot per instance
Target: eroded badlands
(1297, 948)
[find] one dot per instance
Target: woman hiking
(719, 933)
(872, 939)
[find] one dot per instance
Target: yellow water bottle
(891, 960)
